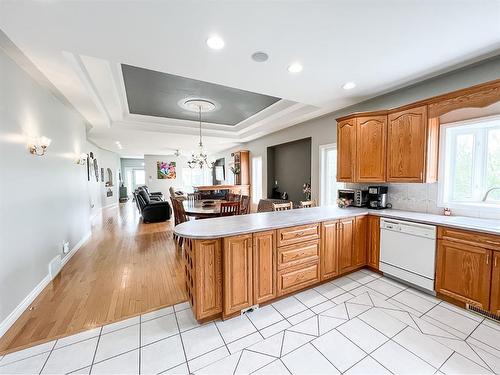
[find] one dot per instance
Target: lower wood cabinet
(346, 244)
(463, 272)
(264, 266)
(495, 284)
(298, 277)
(237, 265)
(329, 249)
(208, 280)
(373, 242)
(360, 241)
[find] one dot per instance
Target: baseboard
(75, 248)
(25, 303)
(28, 300)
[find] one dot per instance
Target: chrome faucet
(489, 191)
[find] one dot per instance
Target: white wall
(43, 200)
(156, 184)
(323, 130)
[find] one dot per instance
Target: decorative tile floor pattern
(358, 324)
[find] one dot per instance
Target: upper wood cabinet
(264, 266)
(463, 272)
(495, 284)
(238, 289)
(371, 134)
(412, 142)
(329, 249)
(373, 251)
(346, 146)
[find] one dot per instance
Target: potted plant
(306, 189)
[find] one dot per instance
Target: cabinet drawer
(296, 278)
(287, 236)
(299, 253)
(487, 241)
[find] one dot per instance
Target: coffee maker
(377, 197)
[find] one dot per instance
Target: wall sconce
(39, 145)
(82, 159)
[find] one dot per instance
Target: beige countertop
(257, 222)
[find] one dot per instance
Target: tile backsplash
(422, 198)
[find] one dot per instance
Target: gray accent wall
(44, 201)
(323, 130)
(289, 164)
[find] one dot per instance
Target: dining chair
(307, 204)
(245, 205)
(179, 218)
(231, 197)
(282, 206)
(229, 208)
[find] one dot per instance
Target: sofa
(152, 210)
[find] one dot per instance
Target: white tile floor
(358, 324)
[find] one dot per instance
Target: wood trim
(476, 96)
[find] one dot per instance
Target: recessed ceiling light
(348, 85)
(295, 67)
(260, 56)
(215, 42)
(117, 142)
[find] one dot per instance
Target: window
(328, 174)
(256, 179)
(196, 177)
(470, 162)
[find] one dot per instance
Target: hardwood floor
(125, 269)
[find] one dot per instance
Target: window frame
(479, 164)
(322, 171)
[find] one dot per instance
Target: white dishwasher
(408, 251)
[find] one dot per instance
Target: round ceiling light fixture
(215, 42)
(348, 85)
(198, 104)
(260, 56)
(295, 67)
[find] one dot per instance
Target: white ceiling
(80, 44)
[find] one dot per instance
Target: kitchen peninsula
(234, 263)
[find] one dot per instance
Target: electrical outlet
(66, 247)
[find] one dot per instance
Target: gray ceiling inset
(157, 94)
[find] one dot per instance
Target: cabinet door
(346, 156)
(329, 249)
(371, 134)
(208, 278)
(360, 241)
(264, 266)
(463, 272)
(373, 241)
(495, 284)
(237, 273)
(406, 145)
(346, 245)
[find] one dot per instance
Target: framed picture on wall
(166, 170)
(102, 174)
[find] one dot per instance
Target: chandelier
(200, 158)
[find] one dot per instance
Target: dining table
(201, 208)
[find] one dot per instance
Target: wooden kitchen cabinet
(373, 251)
(346, 157)
(360, 241)
(208, 281)
(463, 272)
(237, 265)
(329, 249)
(411, 140)
(346, 244)
(495, 284)
(264, 266)
(371, 134)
